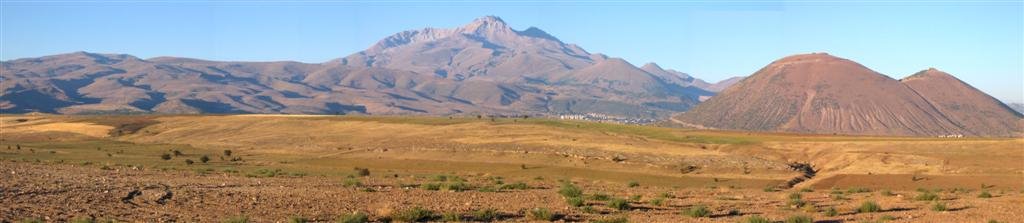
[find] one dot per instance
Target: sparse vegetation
(451, 217)
(927, 196)
(657, 201)
(489, 214)
(237, 219)
(799, 219)
(868, 207)
(612, 219)
(416, 214)
(698, 211)
(574, 201)
(227, 152)
(515, 186)
(887, 193)
(204, 159)
(297, 219)
(541, 214)
(618, 204)
(633, 184)
(362, 172)
(984, 194)
(570, 190)
(757, 219)
(831, 212)
(355, 217)
(939, 206)
(165, 156)
(189, 162)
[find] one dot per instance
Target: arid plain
(329, 168)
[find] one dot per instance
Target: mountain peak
(931, 72)
(486, 23)
(651, 66)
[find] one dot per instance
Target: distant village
(595, 117)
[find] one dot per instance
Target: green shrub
(451, 217)
(984, 194)
(297, 219)
(657, 201)
(515, 186)
(415, 214)
(362, 171)
(618, 204)
(633, 184)
(858, 190)
(574, 201)
(697, 211)
(457, 186)
(486, 189)
(887, 218)
(489, 214)
(799, 219)
(30, 220)
(887, 193)
(570, 190)
(355, 217)
(939, 206)
(927, 196)
(615, 219)
(588, 209)
(795, 196)
(600, 197)
(353, 182)
(757, 219)
(431, 186)
(869, 206)
(541, 214)
(831, 212)
(237, 219)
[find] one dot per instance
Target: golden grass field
(723, 170)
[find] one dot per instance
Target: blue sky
(982, 43)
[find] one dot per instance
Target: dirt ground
(61, 168)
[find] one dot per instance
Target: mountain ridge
(483, 67)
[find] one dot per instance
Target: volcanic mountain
(820, 93)
(484, 67)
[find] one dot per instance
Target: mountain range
(821, 93)
(484, 67)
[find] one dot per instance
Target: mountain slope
(975, 112)
(820, 93)
(484, 67)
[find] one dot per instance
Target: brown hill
(820, 93)
(976, 112)
(484, 67)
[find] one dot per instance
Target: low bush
(515, 186)
(165, 156)
(831, 212)
(362, 171)
(574, 201)
(451, 217)
(799, 219)
(633, 184)
(927, 196)
(600, 197)
(869, 206)
(757, 219)
(697, 211)
(416, 214)
(657, 201)
(570, 190)
(204, 159)
(354, 217)
(541, 214)
(939, 206)
(984, 194)
(486, 215)
(612, 219)
(297, 219)
(237, 219)
(618, 204)
(431, 186)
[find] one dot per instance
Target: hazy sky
(982, 43)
